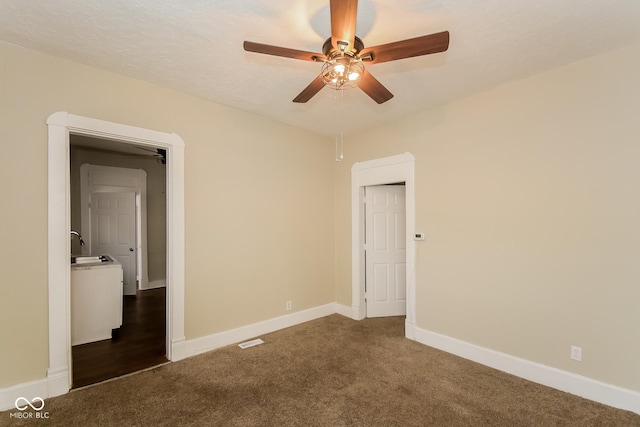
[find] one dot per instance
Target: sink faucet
(75, 233)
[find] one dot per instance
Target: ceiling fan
(344, 54)
(159, 153)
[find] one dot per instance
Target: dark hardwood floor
(141, 343)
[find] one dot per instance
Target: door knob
(130, 249)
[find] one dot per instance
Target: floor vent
(251, 343)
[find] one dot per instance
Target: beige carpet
(329, 372)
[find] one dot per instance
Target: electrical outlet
(576, 353)
(288, 305)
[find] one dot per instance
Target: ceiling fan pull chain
(340, 138)
(340, 156)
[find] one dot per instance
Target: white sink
(90, 259)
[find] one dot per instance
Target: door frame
(60, 126)
(386, 170)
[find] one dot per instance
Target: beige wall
(259, 202)
(529, 195)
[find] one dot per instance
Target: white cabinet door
(385, 250)
(113, 231)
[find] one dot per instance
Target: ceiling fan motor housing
(328, 49)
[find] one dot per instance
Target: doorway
(118, 191)
(60, 126)
(386, 170)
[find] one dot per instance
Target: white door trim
(386, 170)
(60, 125)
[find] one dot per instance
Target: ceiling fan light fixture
(342, 71)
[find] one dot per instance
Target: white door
(385, 251)
(113, 231)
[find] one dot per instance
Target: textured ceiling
(195, 46)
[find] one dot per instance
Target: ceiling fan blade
(308, 92)
(425, 45)
(343, 22)
(372, 87)
(283, 51)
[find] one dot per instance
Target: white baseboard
(588, 388)
(409, 330)
(155, 284)
(221, 339)
(28, 390)
(344, 310)
(55, 384)
(178, 350)
(58, 382)
(353, 312)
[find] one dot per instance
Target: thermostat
(418, 236)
